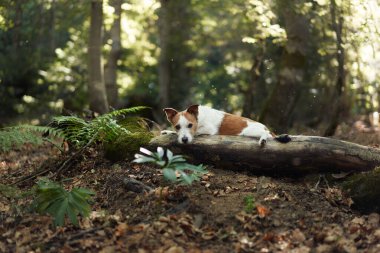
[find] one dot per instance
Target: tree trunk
(52, 27)
(278, 108)
(96, 87)
(338, 97)
(303, 154)
(252, 88)
(175, 24)
(163, 66)
(110, 69)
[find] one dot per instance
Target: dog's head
(185, 122)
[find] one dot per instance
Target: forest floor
(212, 215)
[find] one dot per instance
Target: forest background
(291, 64)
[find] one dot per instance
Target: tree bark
(303, 154)
(96, 87)
(337, 100)
(110, 69)
(255, 72)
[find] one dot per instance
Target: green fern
(14, 137)
(105, 128)
(53, 199)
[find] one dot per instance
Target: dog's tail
(283, 138)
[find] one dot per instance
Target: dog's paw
(165, 132)
(262, 142)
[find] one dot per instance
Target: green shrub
(171, 165)
(53, 199)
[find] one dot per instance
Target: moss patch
(364, 189)
(126, 145)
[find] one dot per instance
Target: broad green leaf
(169, 174)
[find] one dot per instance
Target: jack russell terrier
(199, 120)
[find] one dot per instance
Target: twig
(55, 145)
(80, 151)
(60, 169)
(136, 186)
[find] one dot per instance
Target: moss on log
(303, 154)
(364, 189)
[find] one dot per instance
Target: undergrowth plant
(105, 129)
(14, 137)
(53, 199)
(250, 204)
(172, 165)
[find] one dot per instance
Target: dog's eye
(190, 125)
(177, 127)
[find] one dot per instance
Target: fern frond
(72, 129)
(123, 112)
(14, 137)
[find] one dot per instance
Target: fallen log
(303, 154)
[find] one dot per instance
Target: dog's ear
(170, 113)
(193, 109)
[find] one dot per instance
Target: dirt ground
(226, 211)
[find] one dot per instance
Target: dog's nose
(185, 139)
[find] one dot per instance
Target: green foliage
(171, 165)
(249, 202)
(104, 128)
(14, 137)
(126, 145)
(53, 199)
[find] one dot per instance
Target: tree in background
(175, 28)
(110, 68)
(338, 105)
(96, 87)
(292, 66)
(274, 58)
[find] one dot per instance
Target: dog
(203, 120)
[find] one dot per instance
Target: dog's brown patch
(170, 114)
(192, 119)
(232, 124)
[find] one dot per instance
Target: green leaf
(186, 178)
(169, 174)
(53, 199)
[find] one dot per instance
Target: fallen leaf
(121, 229)
(262, 211)
(298, 236)
(373, 220)
(175, 249)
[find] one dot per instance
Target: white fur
(209, 121)
(184, 131)
(256, 129)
